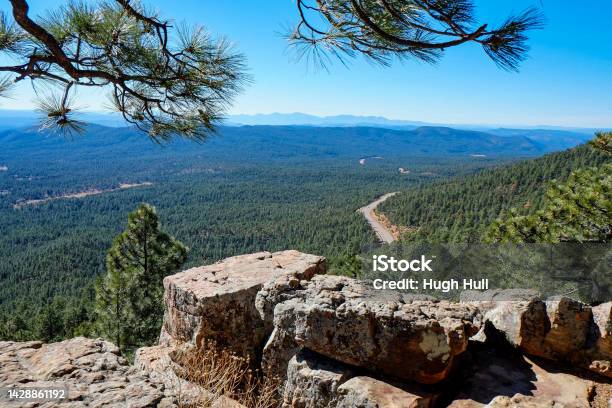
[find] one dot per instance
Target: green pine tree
(578, 210)
(48, 323)
(129, 308)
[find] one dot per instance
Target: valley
(243, 190)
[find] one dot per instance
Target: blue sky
(566, 82)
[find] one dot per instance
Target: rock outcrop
(600, 355)
(217, 302)
(561, 329)
(335, 342)
(498, 377)
(350, 322)
(314, 381)
(368, 392)
(91, 371)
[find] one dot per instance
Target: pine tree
(129, 305)
(48, 324)
(579, 210)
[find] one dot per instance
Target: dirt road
(368, 212)
(81, 194)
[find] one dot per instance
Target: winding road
(368, 212)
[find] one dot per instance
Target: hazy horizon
(259, 119)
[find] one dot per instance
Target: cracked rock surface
(561, 329)
(314, 381)
(91, 370)
(346, 320)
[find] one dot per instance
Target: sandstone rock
(91, 370)
(217, 302)
(366, 392)
(602, 315)
(600, 356)
(504, 309)
(562, 330)
(314, 381)
(281, 345)
(555, 330)
(348, 321)
(570, 321)
(523, 324)
(496, 378)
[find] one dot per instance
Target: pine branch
(163, 80)
(422, 29)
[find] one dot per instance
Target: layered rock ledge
(217, 302)
(560, 329)
(348, 321)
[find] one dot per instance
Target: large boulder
(91, 371)
(315, 381)
(367, 392)
(217, 302)
(348, 321)
(570, 322)
(517, 312)
(559, 329)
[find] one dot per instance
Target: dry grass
(224, 379)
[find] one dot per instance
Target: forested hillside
(277, 142)
(461, 209)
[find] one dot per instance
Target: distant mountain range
(298, 118)
(486, 140)
(550, 138)
(287, 119)
(273, 143)
(28, 117)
